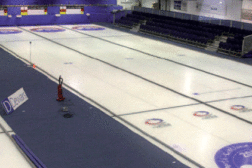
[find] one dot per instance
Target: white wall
(247, 4)
(163, 4)
(234, 9)
(226, 9)
(127, 4)
(148, 3)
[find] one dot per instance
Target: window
(177, 5)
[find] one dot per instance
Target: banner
(211, 7)
(3, 12)
(24, 10)
(63, 10)
(246, 14)
(38, 10)
(71, 10)
(14, 101)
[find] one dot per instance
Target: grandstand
(219, 35)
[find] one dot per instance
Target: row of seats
(226, 29)
(136, 16)
(178, 24)
(207, 35)
(232, 44)
(190, 26)
(127, 23)
(190, 38)
(234, 41)
(231, 49)
(130, 19)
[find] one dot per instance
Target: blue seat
(221, 45)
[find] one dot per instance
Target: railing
(230, 23)
(246, 44)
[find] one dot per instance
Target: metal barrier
(247, 44)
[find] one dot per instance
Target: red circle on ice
(47, 29)
(88, 28)
(153, 121)
(201, 113)
(9, 31)
(237, 107)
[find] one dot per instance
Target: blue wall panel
(215, 21)
(101, 18)
(236, 24)
(120, 14)
(179, 15)
(187, 17)
(14, 11)
(195, 17)
(156, 12)
(96, 9)
(163, 13)
(148, 10)
(53, 10)
(171, 14)
(247, 26)
(97, 14)
(45, 2)
(5, 21)
(226, 23)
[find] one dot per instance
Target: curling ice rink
(187, 100)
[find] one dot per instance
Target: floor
(191, 101)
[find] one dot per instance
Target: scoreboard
(34, 10)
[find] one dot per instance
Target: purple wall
(97, 14)
(45, 2)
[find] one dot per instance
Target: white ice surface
(124, 93)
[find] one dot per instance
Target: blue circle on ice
(88, 28)
(153, 121)
(237, 107)
(47, 29)
(234, 156)
(9, 31)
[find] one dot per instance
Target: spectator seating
(233, 46)
(179, 31)
(189, 31)
(125, 23)
(128, 21)
(174, 33)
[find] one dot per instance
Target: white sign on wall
(213, 7)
